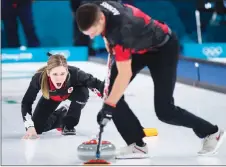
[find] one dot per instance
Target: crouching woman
(57, 82)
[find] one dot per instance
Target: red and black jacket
(131, 31)
(76, 78)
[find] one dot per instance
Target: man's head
(90, 19)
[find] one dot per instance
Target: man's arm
(121, 82)
(123, 62)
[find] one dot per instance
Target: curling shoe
(212, 142)
(133, 152)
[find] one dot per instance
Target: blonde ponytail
(41, 69)
(44, 82)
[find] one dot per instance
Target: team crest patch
(70, 90)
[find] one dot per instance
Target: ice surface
(173, 146)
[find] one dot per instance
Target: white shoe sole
(216, 148)
(133, 156)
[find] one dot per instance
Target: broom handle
(99, 142)
(107, 78)
(105, 94)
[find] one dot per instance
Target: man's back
(130, 27)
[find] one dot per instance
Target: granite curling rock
(87, 150)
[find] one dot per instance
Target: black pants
(162, 64)
(44, 113)
(10, 14)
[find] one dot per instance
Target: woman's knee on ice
(43, 126)
(39, 127)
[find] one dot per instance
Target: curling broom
(99, 161)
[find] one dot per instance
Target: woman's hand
(31, 133)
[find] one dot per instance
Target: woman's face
(58, 76)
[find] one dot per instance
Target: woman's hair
(53, 61)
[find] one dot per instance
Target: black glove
(105, 114)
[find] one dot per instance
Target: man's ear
(102, 16)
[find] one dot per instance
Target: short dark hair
(87, 15)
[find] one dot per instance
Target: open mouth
(58, 84)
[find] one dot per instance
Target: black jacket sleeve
(88, 80)
(30, 96)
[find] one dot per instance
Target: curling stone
(87, 150)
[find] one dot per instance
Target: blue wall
(54, 25)
(53, 21)
(39, 54)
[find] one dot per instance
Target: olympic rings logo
(212, 51)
